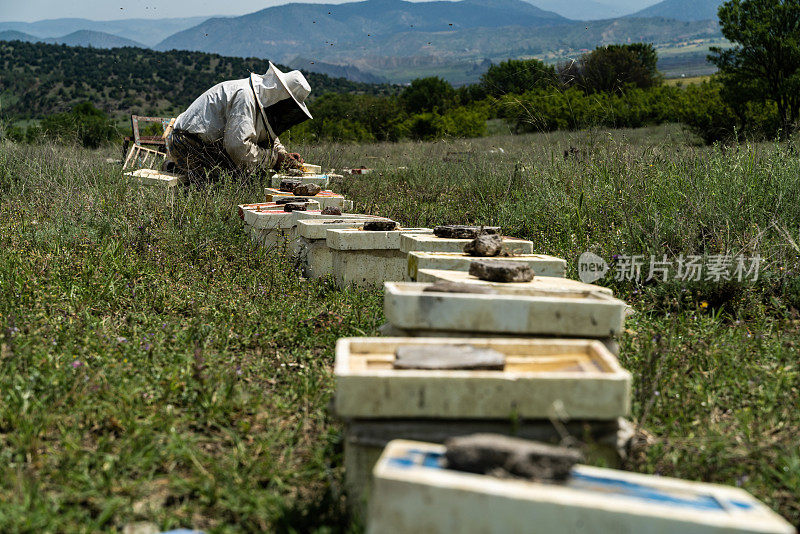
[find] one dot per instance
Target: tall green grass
(157, 366)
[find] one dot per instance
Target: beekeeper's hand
(286, 160)
(295, 158)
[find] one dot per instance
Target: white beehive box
(311, 249)
(326, 199)
(271, 216)
(545, 283)
(269, 225)
(413, 493)
(322, 180)
(156, 178)
(541, 264)
(578, 376)
(530, 312)
(431, 243)
(367, 259)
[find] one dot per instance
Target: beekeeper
(234, 126)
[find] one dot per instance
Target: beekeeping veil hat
(282, 97)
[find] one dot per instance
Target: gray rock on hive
(486, 246)
(449, 357)
(288, 185)
(503, 456)
(289, 200)
(501, 271)
(458, 231)
(307, 190)
(380, 226)
(295, 206)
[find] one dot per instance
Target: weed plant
(157, 366)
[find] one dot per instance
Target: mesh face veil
(281, 98)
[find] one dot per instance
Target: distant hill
(12, 35)
(682, 10)
(40, 79)
(147, 31)
(357, 25)
(94, 40)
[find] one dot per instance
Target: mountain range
(395, 40)
(362, 25)
(399, 40)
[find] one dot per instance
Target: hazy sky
(33, 10)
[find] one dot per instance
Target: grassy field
(158, 367)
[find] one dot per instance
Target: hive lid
(506, 310)
(607, 499)
(270, 216)
(356, 239)
(542, 265)
(576, 378)
(431, 243)
(316, 229)
(319, 216)
(544, 283)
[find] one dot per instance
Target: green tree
(517, 76)
(614, 67)
(428, 94)
(764, 64)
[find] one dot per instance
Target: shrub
(707, 113)
(85, 124)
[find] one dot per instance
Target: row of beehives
(534, 359)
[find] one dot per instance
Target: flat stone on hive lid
(289, 185)
(485, 245)
(380, 226)
(495, 454)
(450, 357)
(295, 206)
(457, 231)
(288, 200)
(332, 210)
(501, 271)
(454, 287)
(307, 190)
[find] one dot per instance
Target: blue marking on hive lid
(645, 492)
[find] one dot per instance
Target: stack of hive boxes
(551, 378)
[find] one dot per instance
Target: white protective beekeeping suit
(249, 128)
